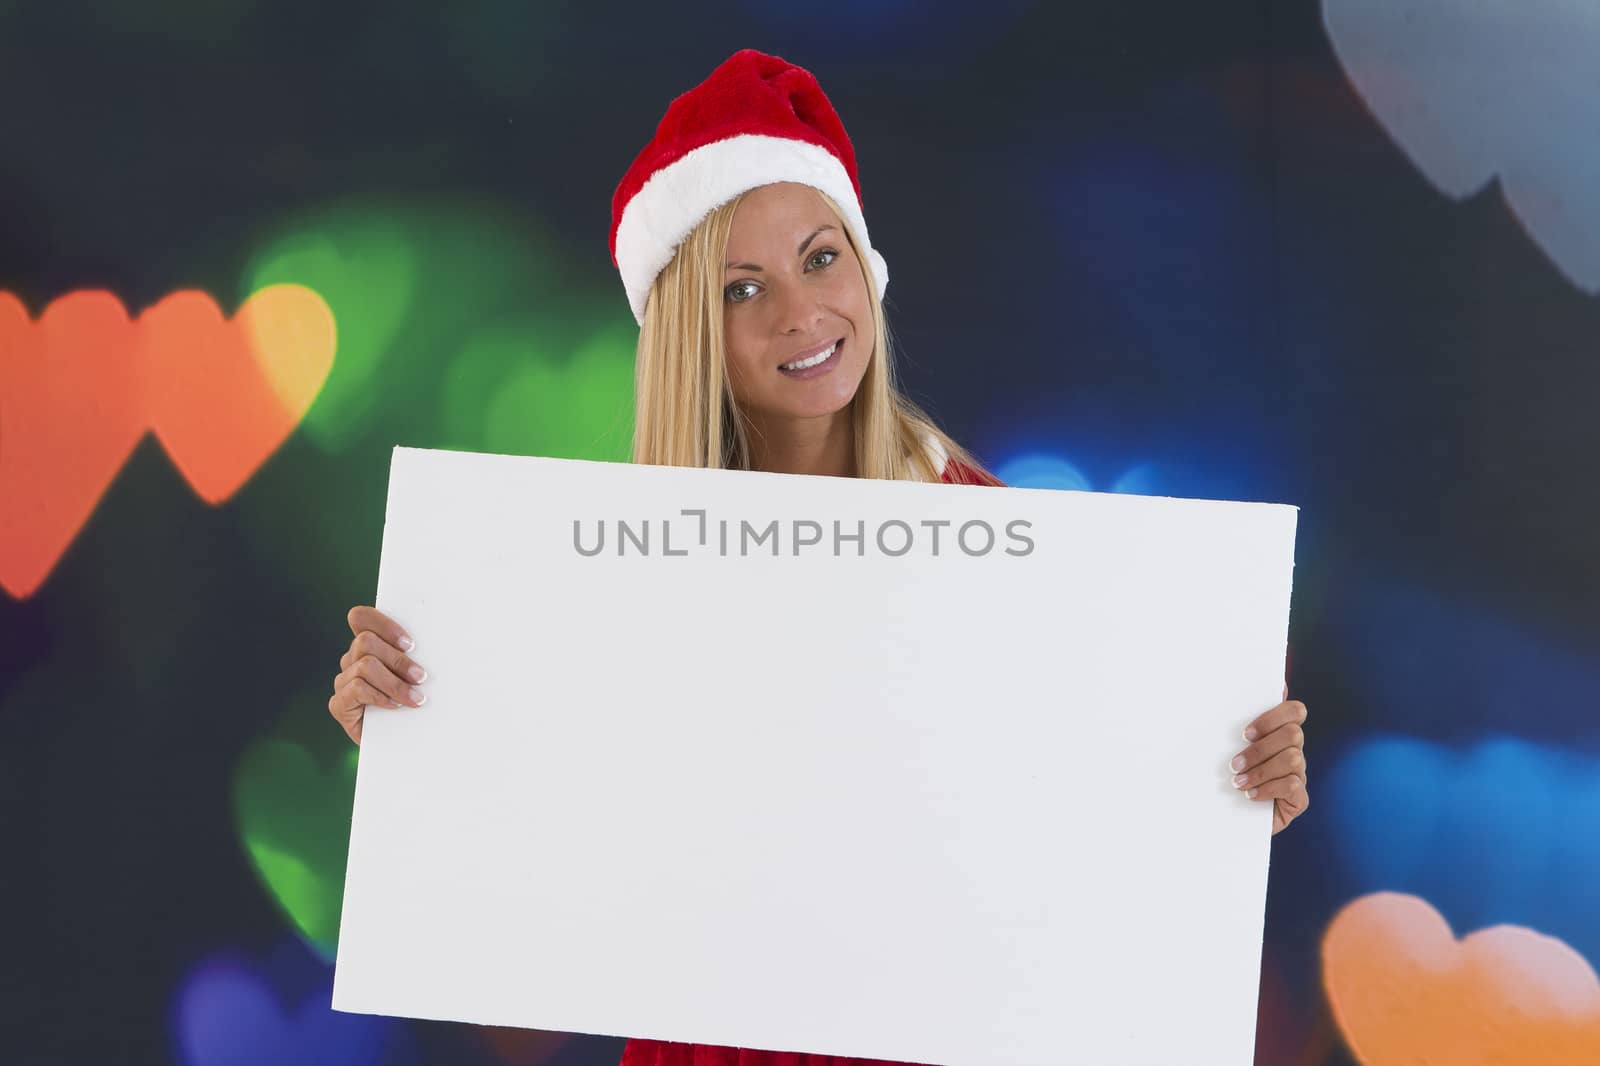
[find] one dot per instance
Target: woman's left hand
(1273, 767)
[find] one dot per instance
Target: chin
(820, 408)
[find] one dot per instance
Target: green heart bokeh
(462, 326)
(292, 811)
(507, 393)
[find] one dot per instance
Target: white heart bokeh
(1475, 90)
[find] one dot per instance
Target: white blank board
(965, 809)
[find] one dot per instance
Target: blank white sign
(964, 803)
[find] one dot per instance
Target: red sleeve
(666, 1053)
(958, 473)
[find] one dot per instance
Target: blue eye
(731, 292)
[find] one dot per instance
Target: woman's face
(792, 291)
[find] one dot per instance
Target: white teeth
(820, 357)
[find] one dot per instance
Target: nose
(798, 310)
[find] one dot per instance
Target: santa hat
(755, 121)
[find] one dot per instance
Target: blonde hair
(684, 410)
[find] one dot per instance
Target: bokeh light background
(1343, 255)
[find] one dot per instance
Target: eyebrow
(801, 251)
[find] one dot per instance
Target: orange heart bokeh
(81, 386)
(1406, 992)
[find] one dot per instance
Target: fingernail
(417, 673)
(1252, 793)
(1250, 733)
(1238, 763)
(1238, 782)
(418, 696)
(406, 643)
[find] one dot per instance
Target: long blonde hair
(684, 410)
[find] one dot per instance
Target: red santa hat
(756, 120)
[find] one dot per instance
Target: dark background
(1155, 247)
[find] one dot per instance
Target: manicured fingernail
(1238, 763)
(417, 673)
(1250, 733)
(1238, 782)
(418, 696)
(1252, 793)
(406, 643)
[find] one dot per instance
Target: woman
(740, 239)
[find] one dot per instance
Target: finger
(349, 706)
(1283, 764)
(353, 696)
(1281, 715)
(350, 720)
(373, 670)
(1285, 788)
(352, 692)
(399, 663)
(361, 618)
(1280, 739)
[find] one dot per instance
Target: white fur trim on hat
(679, 196)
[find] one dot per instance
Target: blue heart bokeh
(232, 1011)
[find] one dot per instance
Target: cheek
(741, 346)
(848, 294)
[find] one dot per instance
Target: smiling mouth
(814, 360)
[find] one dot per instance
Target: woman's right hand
(376, 670)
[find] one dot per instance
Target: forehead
(777, 212)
